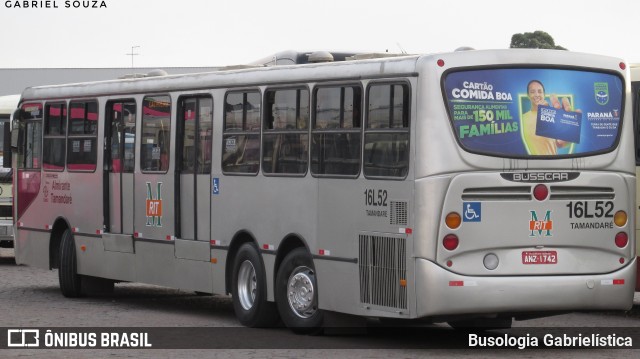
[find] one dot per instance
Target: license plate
(539, 257)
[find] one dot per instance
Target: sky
(177, 33)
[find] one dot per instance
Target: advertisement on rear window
(535, 112)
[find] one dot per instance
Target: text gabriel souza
(53, 4)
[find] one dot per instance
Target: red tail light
(450, 242)
(622, 240)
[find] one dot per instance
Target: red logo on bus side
(154, 208)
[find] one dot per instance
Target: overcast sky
(225, 32)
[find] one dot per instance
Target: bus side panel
(120, 266)
(32, 248)
(155, 264)
(366, 262)
(219, 263)
(338, 281)
(193, 275)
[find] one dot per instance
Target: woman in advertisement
(536, 144)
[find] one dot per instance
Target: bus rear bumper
(441, 292)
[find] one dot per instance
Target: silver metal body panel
(118, 242)
(504, 229)
(510, 294)
(194, 250)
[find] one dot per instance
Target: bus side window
(82, 136)
(55, 130)
(30, 136)
(241, 138)
(156, 125)
(386, 138)
(336, 137)
(286, 137)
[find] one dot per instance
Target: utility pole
(132, 54)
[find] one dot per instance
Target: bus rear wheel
(297, 293)
(249, 290)
(67, 273)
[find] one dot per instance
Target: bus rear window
(525, 112)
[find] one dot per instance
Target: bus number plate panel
(539, 257)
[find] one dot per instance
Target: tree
(534, 40)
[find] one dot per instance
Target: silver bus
(466, 187)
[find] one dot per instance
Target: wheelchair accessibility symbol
(472, 211)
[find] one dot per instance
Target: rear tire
(67, 273)
(249, 290)
(297, 293)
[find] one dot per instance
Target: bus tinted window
(197, 119)
(527, 112)
(82, 140)
(286, 140)
(156, 127)
(241, 140)
(30, 136)
(54, 141)
(336, 137)
(386, 139)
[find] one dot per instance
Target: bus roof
(252, 76)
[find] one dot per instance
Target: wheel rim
(301, 292)
(247, 285)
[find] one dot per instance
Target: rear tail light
(450, 242)
(621, 240)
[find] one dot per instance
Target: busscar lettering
(540, 176)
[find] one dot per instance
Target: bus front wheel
(249, 290)
(67, 273)
(297, 293)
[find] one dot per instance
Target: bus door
(193, 197)
(119, 167)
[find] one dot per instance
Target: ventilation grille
(583, 193)
(382, 264)
(398, 215)
(520, 193)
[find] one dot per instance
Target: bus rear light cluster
(450, 242)
(540, 192)
(620, 218)
(453, 220)
(622, 240)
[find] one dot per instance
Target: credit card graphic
(559, 124)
